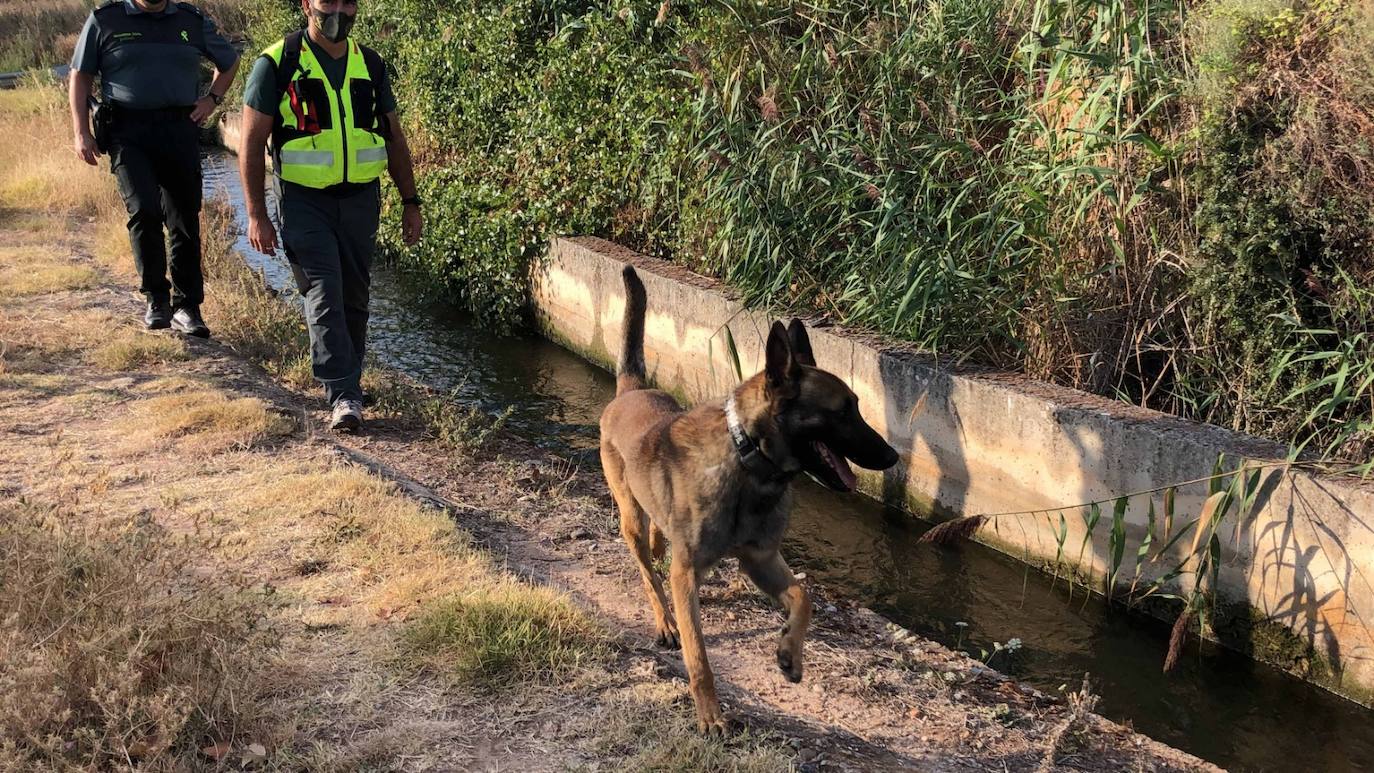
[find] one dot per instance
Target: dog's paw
(790, 666)
(711, 723)
(667, 638)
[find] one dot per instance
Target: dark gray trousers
(329, 239)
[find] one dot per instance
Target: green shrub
(1144, 200)
(1285, 223)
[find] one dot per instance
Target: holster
(101, 118)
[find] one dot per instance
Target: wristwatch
(412, 200)
(214, 97)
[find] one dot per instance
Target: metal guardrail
(10, 80)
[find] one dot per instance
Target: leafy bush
(532, 119)
(1285, 224)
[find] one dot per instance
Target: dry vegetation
(103, 664)
(190, 581)
(34, 35)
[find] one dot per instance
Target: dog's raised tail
(629, 374)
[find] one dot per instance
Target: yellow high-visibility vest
(323, 136)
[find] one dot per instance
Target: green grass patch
(509, 634)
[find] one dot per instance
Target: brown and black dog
(715, 480)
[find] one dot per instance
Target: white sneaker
(348, 415)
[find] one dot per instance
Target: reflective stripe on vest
(307, 157)
(367, 155)
(322, 144)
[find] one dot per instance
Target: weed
(1063, 737)
(459, 428)
(505, 634)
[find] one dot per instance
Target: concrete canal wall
(1294, 588)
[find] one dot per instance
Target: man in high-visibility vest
(325, 102)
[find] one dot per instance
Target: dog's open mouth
(838, 464)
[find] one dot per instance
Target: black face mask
(334, 26)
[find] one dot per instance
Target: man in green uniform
(147, 54)
(325, 103)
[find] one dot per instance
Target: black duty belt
(151, 115)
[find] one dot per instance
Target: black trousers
(156, 160)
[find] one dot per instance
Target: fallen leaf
(255, 753)
(218, 751)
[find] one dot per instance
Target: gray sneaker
(348, 415)
(187, 320)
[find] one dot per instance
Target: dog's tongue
(839, 464)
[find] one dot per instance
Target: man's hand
(412, 225)
(262, 235)
(204, 107)
(85, 148)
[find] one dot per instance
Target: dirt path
(874, 695)
(76, 385)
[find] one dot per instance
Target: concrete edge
(1292, 587)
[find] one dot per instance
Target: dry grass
(42, 383)
(38, 280)
(207, 421)
(653, 729)
(129, 349)
(469, 620)
(42, 34)
(29, 344)
(105, 666)
(386, 555)
(55, 180)
(29, 269)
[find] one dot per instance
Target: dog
(715, 480)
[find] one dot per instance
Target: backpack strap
(376, 71)
(376, 68)
(290, 61)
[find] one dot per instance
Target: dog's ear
(780, 365)
(801, 343)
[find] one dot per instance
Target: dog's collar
(750, 454)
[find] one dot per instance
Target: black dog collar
(750, 455)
